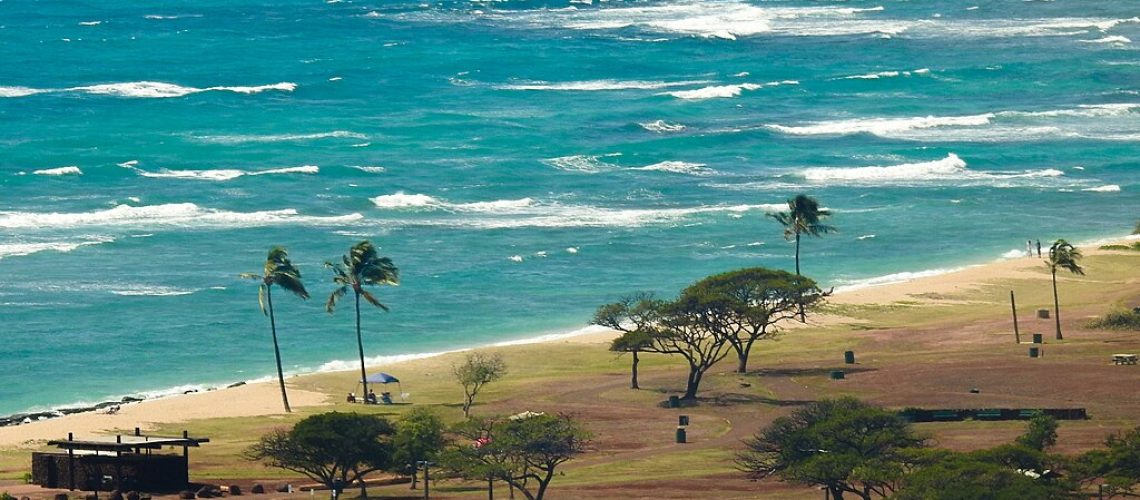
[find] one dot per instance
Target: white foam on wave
(885, 74)
(401, 200)
(951, 168)
(903, 277)
(243, 139)
(581, 163)
(678, 167)
(1108, 188)
(90, 23)
(370, 169)
(718, 91)
(1118, 40)
(71, 170)
(662, 126)
(19, 91)
(151, 291)
(882, 126)
(22, 249)
(598, 85)
(223, 174)
(186, 215)
(146, 89)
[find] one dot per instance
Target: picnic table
(1123, 359)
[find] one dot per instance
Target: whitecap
(72, 170)
(516, 258)
(865, 237)
(174, 214)
(370, 169)
(22, 249)
(1108, 188)
(90, 23)
(580, 163)
(19, 91)
(678, 167)
(571, 249)
(151, 291)
(1109, 39)
(714, 92)
(950, 166)
(883, 126)
(128, 164)
(243, 139)
(598, 85)
(662, 126)
(224, 174)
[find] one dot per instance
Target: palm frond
(372, 299)
(292, 284)
(261, 299)
(250, 276)
(336, 295)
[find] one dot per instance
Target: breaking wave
(950, 168)
(223, 174)
(22, 249)
(1108, 188)
(146, 89)
(724, 91)
(243, 139)
(885, 74)
(598, 85)
(581, 163)
(187, 215)
(678, 167)
(72, 170)
(662, 126)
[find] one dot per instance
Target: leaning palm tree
(362, 266)
(803, 217)
(279, 270)
(1065, 256)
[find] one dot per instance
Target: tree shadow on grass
(806, 372)
(736, 399)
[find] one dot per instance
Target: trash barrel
(680, 434)
(1043, 313)
(1037, 338)
(683, 420)
(1033, 352)
(849, 357)
(837, 375)
(674, 401)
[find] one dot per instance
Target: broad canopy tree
(334, 449)
(280, 271)
(523, 450)
(419, 437)
(843, 445)
(710, 319)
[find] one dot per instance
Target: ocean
(521, 162)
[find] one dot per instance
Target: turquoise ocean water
(522, 162)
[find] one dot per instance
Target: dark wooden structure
(124, 463)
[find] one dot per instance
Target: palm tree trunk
(799, 300)
(360, 348)
(1056, 305)
(276, 350)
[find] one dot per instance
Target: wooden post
(1013, 305)
(70, 463)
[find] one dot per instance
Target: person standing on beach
(1038, 248)
(1029, 247)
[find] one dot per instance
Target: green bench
(945, 415)
(988, 415)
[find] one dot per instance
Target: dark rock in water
(235, 489)
(235, 384)
(257, 489)
(130, 399)
(105, 404)
(79, 409)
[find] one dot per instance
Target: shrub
(1122, 319)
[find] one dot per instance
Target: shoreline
(886, 288)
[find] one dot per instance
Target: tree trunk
(414, 469)
(276, 350)
(799, 300)
(633, 374)
(836, 493)
(742, 362)
(692, 384)
(360, 348)
(1056, 306)
(543, 483)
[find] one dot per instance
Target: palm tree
(803, 217)
(362, 266)
(279, 270)
(1062, 255)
